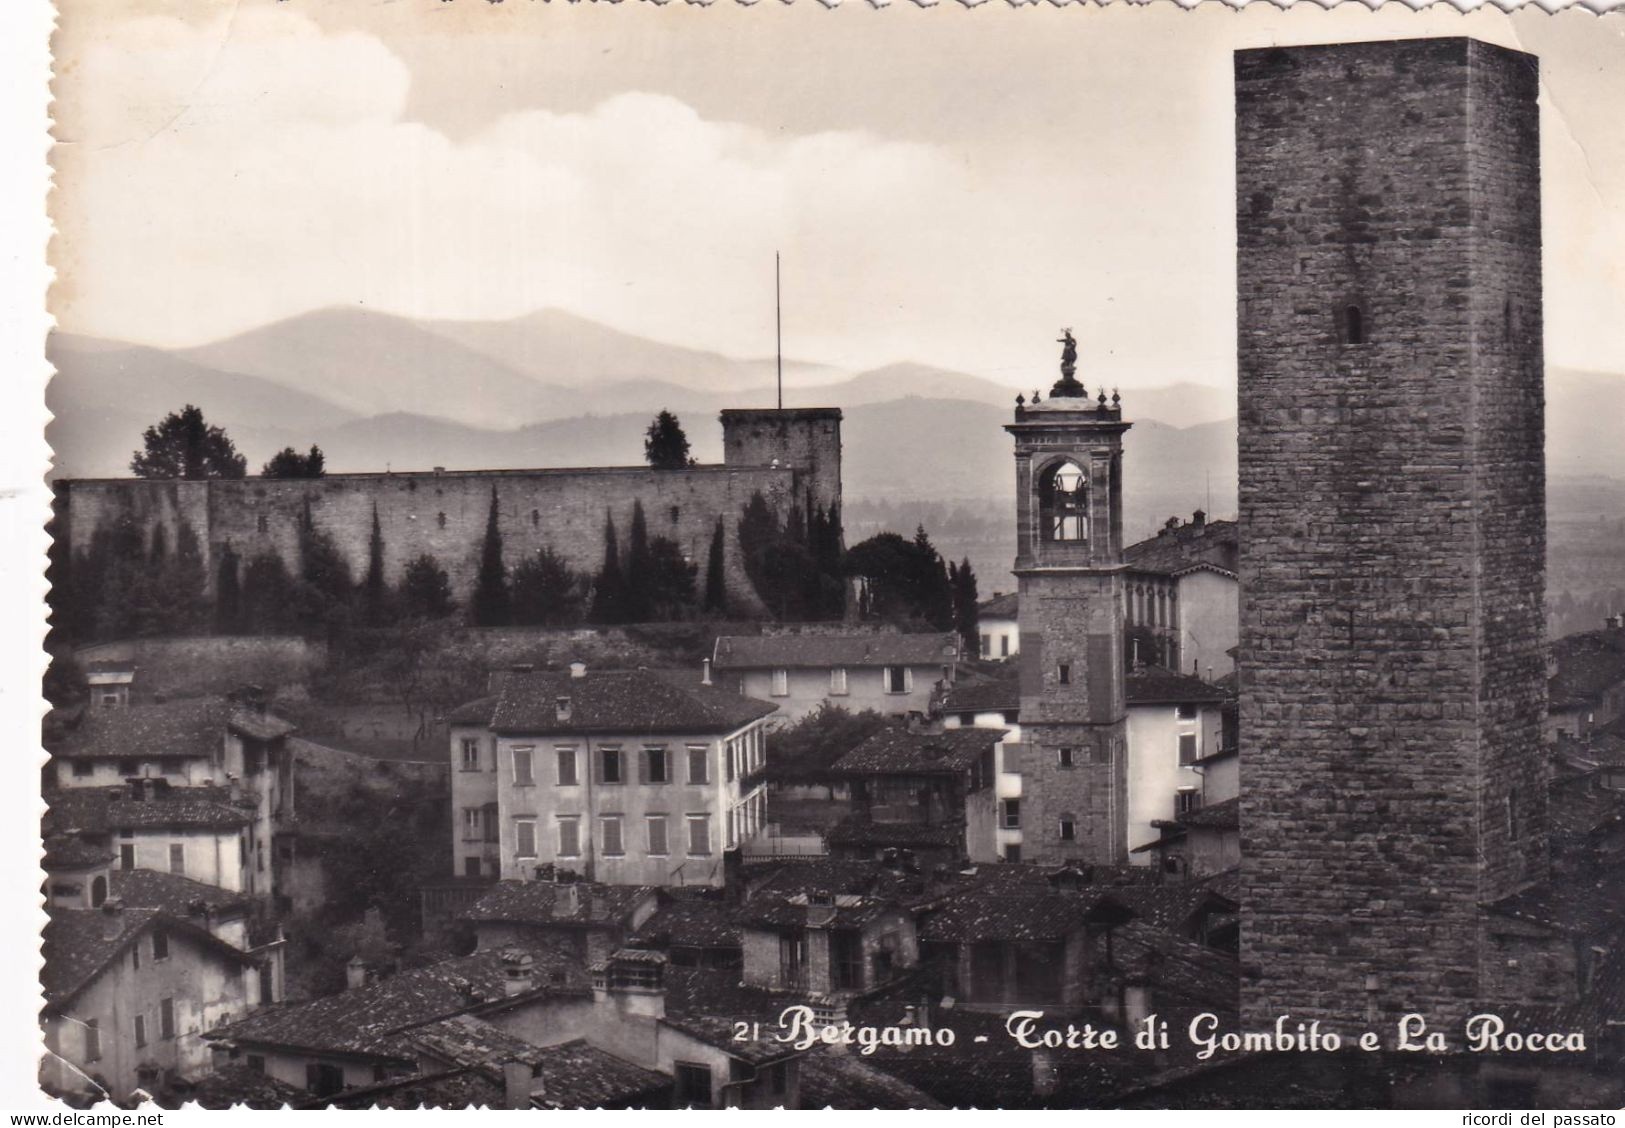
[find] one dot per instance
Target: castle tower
(1069, 568)
(807, 439)
(1392, 520)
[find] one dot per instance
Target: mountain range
(552, 389)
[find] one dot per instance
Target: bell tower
(1069, 568)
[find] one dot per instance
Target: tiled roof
(176, 895)
(1153, 685)
(754, 652)
(543, 902)
(1180, 971)
(79, 943)
(191, 727)
(463, 1040)
(237, 1084)
(1020, 913)
(100, 810)
(705, 990)
(1225, 815)
(578, 1075)
(836, 1080)
(463, 1087)
(621, 701)
(717, 1031)
(841, 910)
(1173, 906)
(863, 832)
(1006, 605)
(980, 694)
(1588, 665)
(1588, 907)
(1580, 806)
(477, 712)
(66, 851)
(897, 751)
(690, 923)
(368, 1020)
(1172, 551)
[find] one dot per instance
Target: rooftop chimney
(562, 709)
(1199, 518)
(705, 671)
(517, 1080)
(518, 972)
(355, 973)
(568, 899)
(578, 669)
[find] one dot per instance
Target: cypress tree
(374, 593)
(491, 603)
(228, 594)
(609, 589)
(636, 601)
(716, 594)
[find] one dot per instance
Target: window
(471, 754)
(171, 765)
(1354, 327)
(1011, 817)
(837, 680)
(160, 944)
(177, 858)
(899, 679)
(657, 834)
(1004, 646)
(1063, 496)
(262, 523)
(126, 856)
(565, 761)
(609, 765)
(699, 834)
(987, 646)
(1063, 757)
(471, 866)
(655, 767)
(322, 1079)
(440, 519)
(699, 758)
(140, 1030)
(730, 752)
(569, 836)
(524, 838)
(781, 683)
(611, 836)
(1187, 747)
(1012, 851)
(128, 768)
(676, 512)
(1185, 712)
(473, 824)
(83, 768)
(693, 1084)
(1069, 828)
(1185, 801)
(1063, 673)
(166, 1018)
(93, 1039)
(522, 776)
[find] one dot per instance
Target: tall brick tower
(1069, 567)
(1392, 520)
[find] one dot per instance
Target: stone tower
(1069, 568)
(806, 439)
(1392, 520)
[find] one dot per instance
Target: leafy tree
(545, 591)
(289, 463)
(962, 582)
(902, 580)
(668, 581)
(492, 603)
(665, 445)
(609, 587)
(183, 445)
(182, 579)
(716, 592)
(268, 596)
(325, 592)
(804, 752)
(426, 589)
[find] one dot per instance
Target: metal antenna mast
(778, 328)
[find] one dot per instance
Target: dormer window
(1063, 502)
(561, 708)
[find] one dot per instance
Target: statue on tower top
(1068, 384)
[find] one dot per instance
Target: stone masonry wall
(1391, 519)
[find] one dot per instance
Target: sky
(946, 185)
